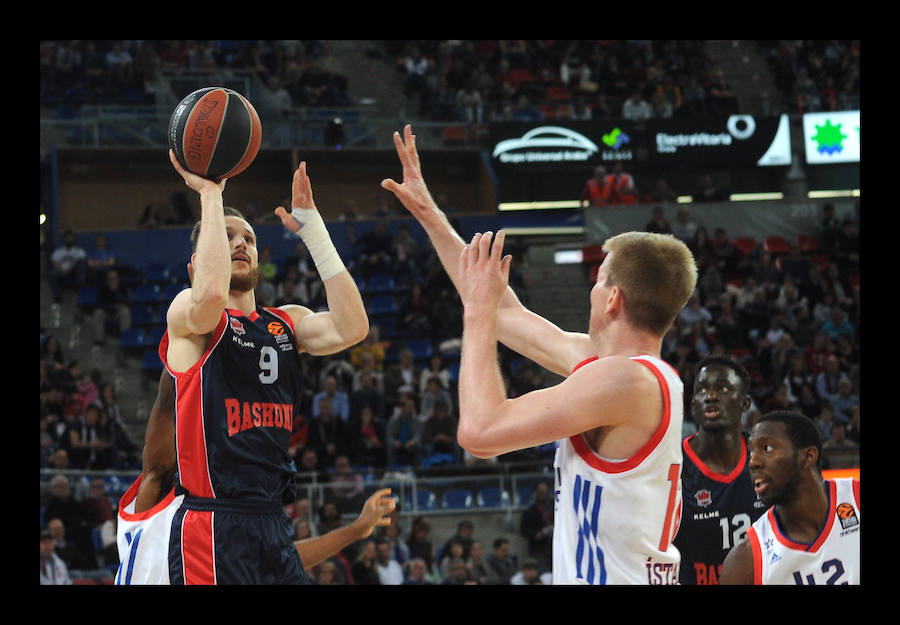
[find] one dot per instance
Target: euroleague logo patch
(703, 497)
(275, 328)
(847, 514)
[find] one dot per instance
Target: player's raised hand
(377, 511)
(412, 192)
(301, 198)
(483, 271)
(192, 180)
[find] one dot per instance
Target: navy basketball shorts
(229, 543)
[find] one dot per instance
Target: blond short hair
(656, 274)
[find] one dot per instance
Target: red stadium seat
(775, 245)
(807, 243)
(747, 245)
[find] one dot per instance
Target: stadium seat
(150, 361)
(775, 245)
(425, 499)
(492, 497)
(524, 495)
(83, 581)
(456, 499)
(158, 273)
(421, 349)
(807, 243)
(142, 315)
(380, 283)
(746, 245)
(146, 294)
(87, 297)
(454, 135)
(133, 338)
(383, 305)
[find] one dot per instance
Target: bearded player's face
(244, 255)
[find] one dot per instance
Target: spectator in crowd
(597, 190)
(390, 573)
(825, 421)
(658, 222)
(339, 400)
(54, 571)
(827, 382)
(112, 307)
(536, 526)
(636, 108)
(402, 374)
(328, 434)
(684, 227)
(501, 564)
(346, 486)
(403, 435)
(843, 401)
(417, 574)
(367, 435)
(99, 260)
(421, 547)
(68, 267)
(529, 575)
(77, 556)
(708, 192)
(478, 570)
(365, 571)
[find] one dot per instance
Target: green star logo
(829, 138)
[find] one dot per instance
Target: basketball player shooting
(618, 413)
(236, 370)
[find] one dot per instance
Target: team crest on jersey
(703, 497)
(237, 327)
(847, 514)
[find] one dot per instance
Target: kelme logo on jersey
(847, 514)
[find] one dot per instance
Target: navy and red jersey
(717, 511)
(234, 409)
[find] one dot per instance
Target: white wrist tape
(317, 240)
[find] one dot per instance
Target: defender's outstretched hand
(377, 511)
(412, 193)
(483, 271)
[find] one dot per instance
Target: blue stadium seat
(524, 494)
(150, 361)
(171, 290)
(87, 297)
(383, 305)
(421, 348)
(425, 500)
(158, 273)
(457, 499)
(146, 294)
(142, 315)
(492, 497)
(133, 338)
(380, 283)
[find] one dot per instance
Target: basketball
(215, 133)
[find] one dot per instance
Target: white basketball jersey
(615, 519)
(833, 558)
(143, 539)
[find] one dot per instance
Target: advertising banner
(735, 141)
(519, 146)
(831, 137)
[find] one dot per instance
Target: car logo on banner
(546, 144)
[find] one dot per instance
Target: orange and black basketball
(215, 133)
